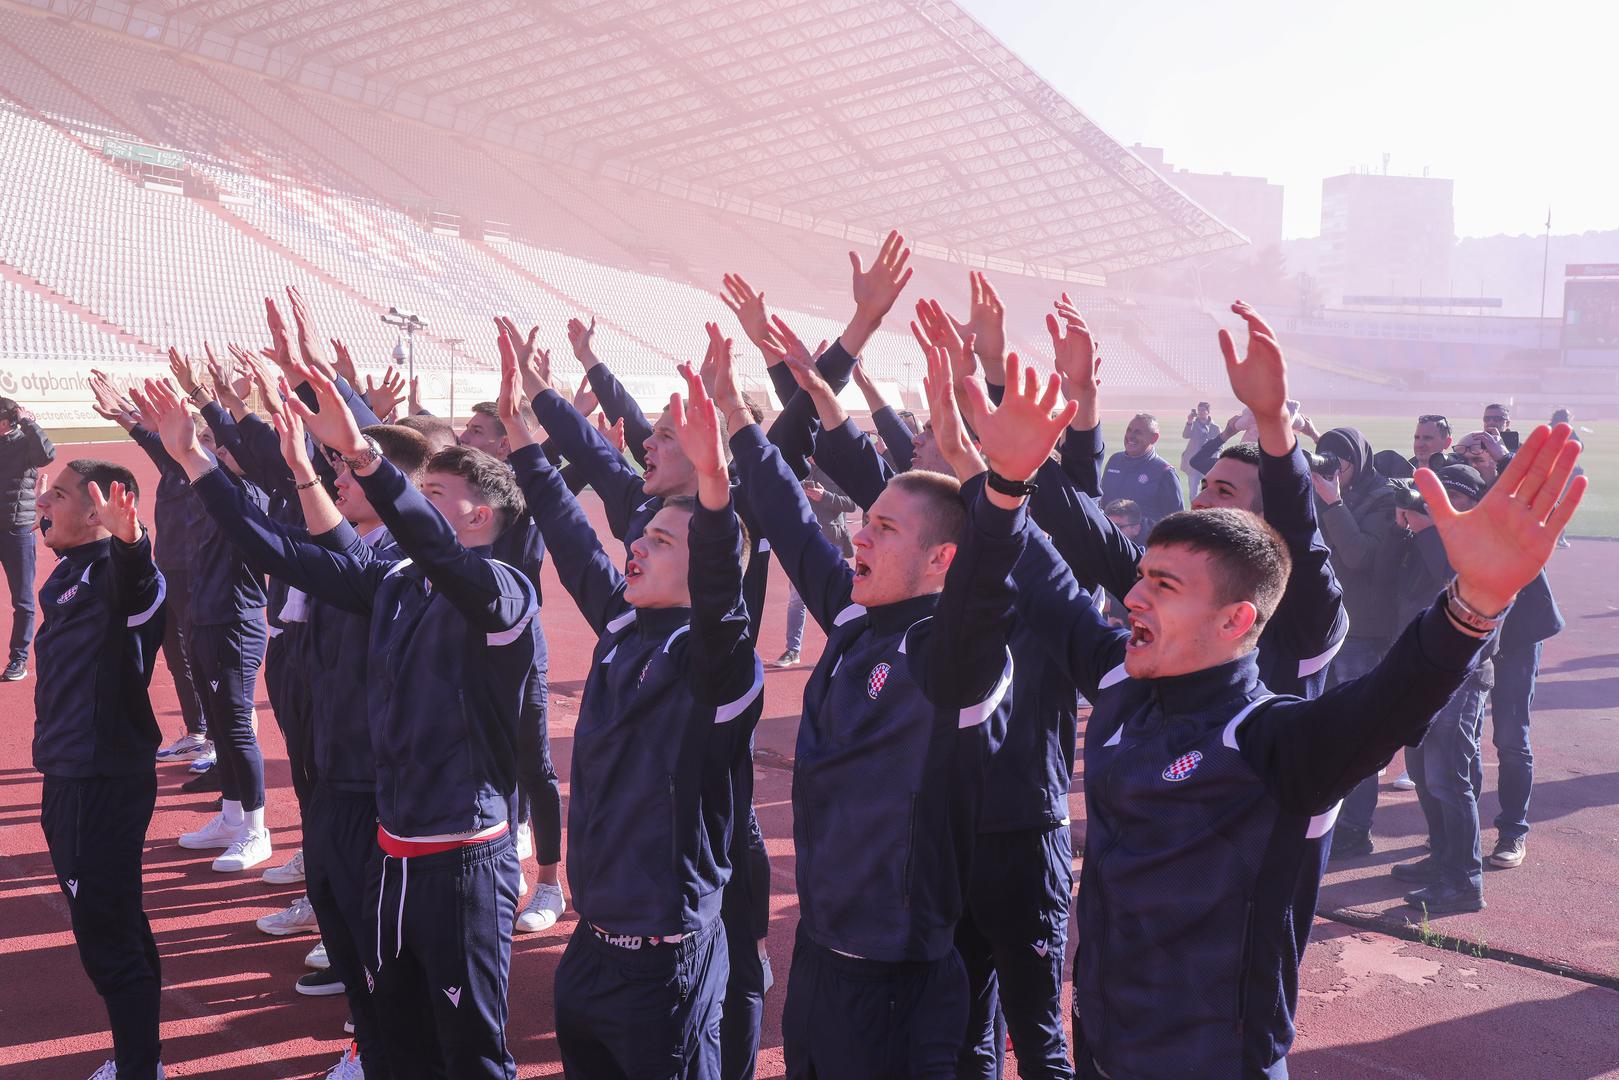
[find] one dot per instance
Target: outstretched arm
(616, 402)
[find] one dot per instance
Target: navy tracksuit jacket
(94, 740)
(1205, 801)
(451, 642)
(1015, 927)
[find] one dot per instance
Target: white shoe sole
(176, 759)
(236, 867)
(326, 990)
(210, 844)
(523, 926)
(283, 931)
(275, 876)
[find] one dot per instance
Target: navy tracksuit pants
(176, 629)
(340, 835)
(852, 1019)
(286, 682)
(438, 952)
(1011, 940)
(225, 661)
(539, 793)
(638, 1013)
(95, 829)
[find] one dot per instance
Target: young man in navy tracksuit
(674, 692)
(1197, 773)
(95, 738)
(1014, 927)
(226, 649)
(906, 704)
(539, 791)
(451, 643)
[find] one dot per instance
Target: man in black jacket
(94, 741)
(24, 447)
(1357, 517)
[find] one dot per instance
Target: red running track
(1371, 1006)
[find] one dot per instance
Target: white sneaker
(297, 918)
(348, 1026)
(1403, 782)
(215, 834)
(543, 909)
(348, 1066)
(770, 976)
(248, 850)
(205, 760)
(525, 842)
(290, 872)
(316, 958)
(522, 883)
(109, 1071)
(187, 747)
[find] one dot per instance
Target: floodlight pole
(452, 343)
(409, 324)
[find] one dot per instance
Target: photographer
(1431, 442)
(1357, 519)
(1200, 428)
(24, 447)
(1446, 766)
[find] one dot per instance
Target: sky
(1518, 103)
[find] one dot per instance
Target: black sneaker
(203, 781)
(1508, 854)
(16, 671)
(1444, 900)
(319, 983)
(1349, 842)
(1422, 872)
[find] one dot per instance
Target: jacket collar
(1197, 691)
(895, 618)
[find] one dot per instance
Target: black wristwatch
(1020, 489)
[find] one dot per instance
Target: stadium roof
(858, 113)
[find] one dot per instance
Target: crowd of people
(1268, 651)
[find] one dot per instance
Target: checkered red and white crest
(1183, 766)
(877, 680)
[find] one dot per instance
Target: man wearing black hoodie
(1357, 517)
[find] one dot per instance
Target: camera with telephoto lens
(1324, 464)
(1407, 497)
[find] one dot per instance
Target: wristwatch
(1468, 617)
(1015, 488)
(365, 458)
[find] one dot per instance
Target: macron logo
(213, 684)
(1041, 949)
(454, 994)
(73, 887)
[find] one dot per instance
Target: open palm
(1017, 437)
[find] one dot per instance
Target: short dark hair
(1250, 558)
(1245, 452)
(947, 516)
(406, 448)
(8, 410)
(1147, 416)
(489, 477)
(432, 427)
(688, 503)
(490, 409)
(1505, 409)
(1438, 420)
(1128, 509)
(104, 474)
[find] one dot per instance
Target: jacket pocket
(910, 852)
(1247, 957)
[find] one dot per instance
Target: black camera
(1324, 464)
(1407, 497)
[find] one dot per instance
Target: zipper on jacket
(910, 852)
(1242, 971)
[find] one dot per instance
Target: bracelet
(1015, 488)
(1468, 616)
(307, 485)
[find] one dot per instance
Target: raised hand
(875, 290)
(384, 397)
(579, 339)
(697, 429)
(510, 402)
(613, 433)
(280, 351)
(414, 405)
(167, 413)
(812, 382)
(748, 307)
(1017, 437)
(1501, 544)
(948, 430)
(109, 404)
(294, 448)
(718, 374)
(263, 380)
(1078, 361)
(933, 329)
(1259, 379)
(333, 425)
(225, 385)
(519, 354)
(311, 346)
(986, 324)
(584, 398)
(116, 510)
(184, 373)
(344, 363)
